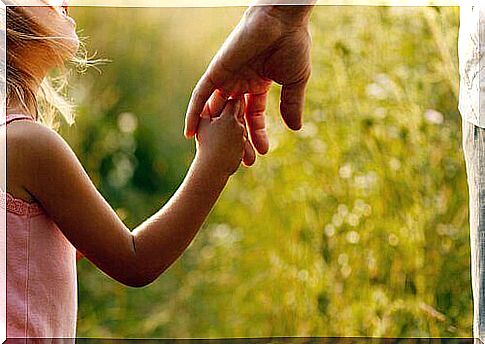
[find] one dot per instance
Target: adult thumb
(292, 104)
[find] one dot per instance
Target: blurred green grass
(355, 226)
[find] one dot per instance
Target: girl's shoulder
(32, 136)
(29, 146)
(29, 140)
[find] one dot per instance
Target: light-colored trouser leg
(474, 148)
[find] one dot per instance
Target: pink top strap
(16, 117)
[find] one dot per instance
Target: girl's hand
(270, 44)
(222, 140)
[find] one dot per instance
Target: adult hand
(271, 43)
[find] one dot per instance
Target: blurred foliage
(354, 226)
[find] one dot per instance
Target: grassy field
(355, 226)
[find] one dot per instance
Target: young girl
(53, 207)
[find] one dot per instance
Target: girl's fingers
(203, 124)
(232, 107)
(249, 155)
(240, 115)
(255, 108)
(214, 105)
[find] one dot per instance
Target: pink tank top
(41, 271)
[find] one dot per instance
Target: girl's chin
(72, 48)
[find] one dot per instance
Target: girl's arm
(135, 258)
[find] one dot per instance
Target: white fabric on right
(471, 47)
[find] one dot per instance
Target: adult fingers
(255, 107)
(292, 104)
(202, 91)
(249, 155)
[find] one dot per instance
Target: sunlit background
(355, 226)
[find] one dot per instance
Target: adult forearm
(289, 11)
(163, 238)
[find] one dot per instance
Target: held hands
(268, 45)
(222, 139)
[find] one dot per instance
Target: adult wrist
(290, 15)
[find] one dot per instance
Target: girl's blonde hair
(23, 33)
